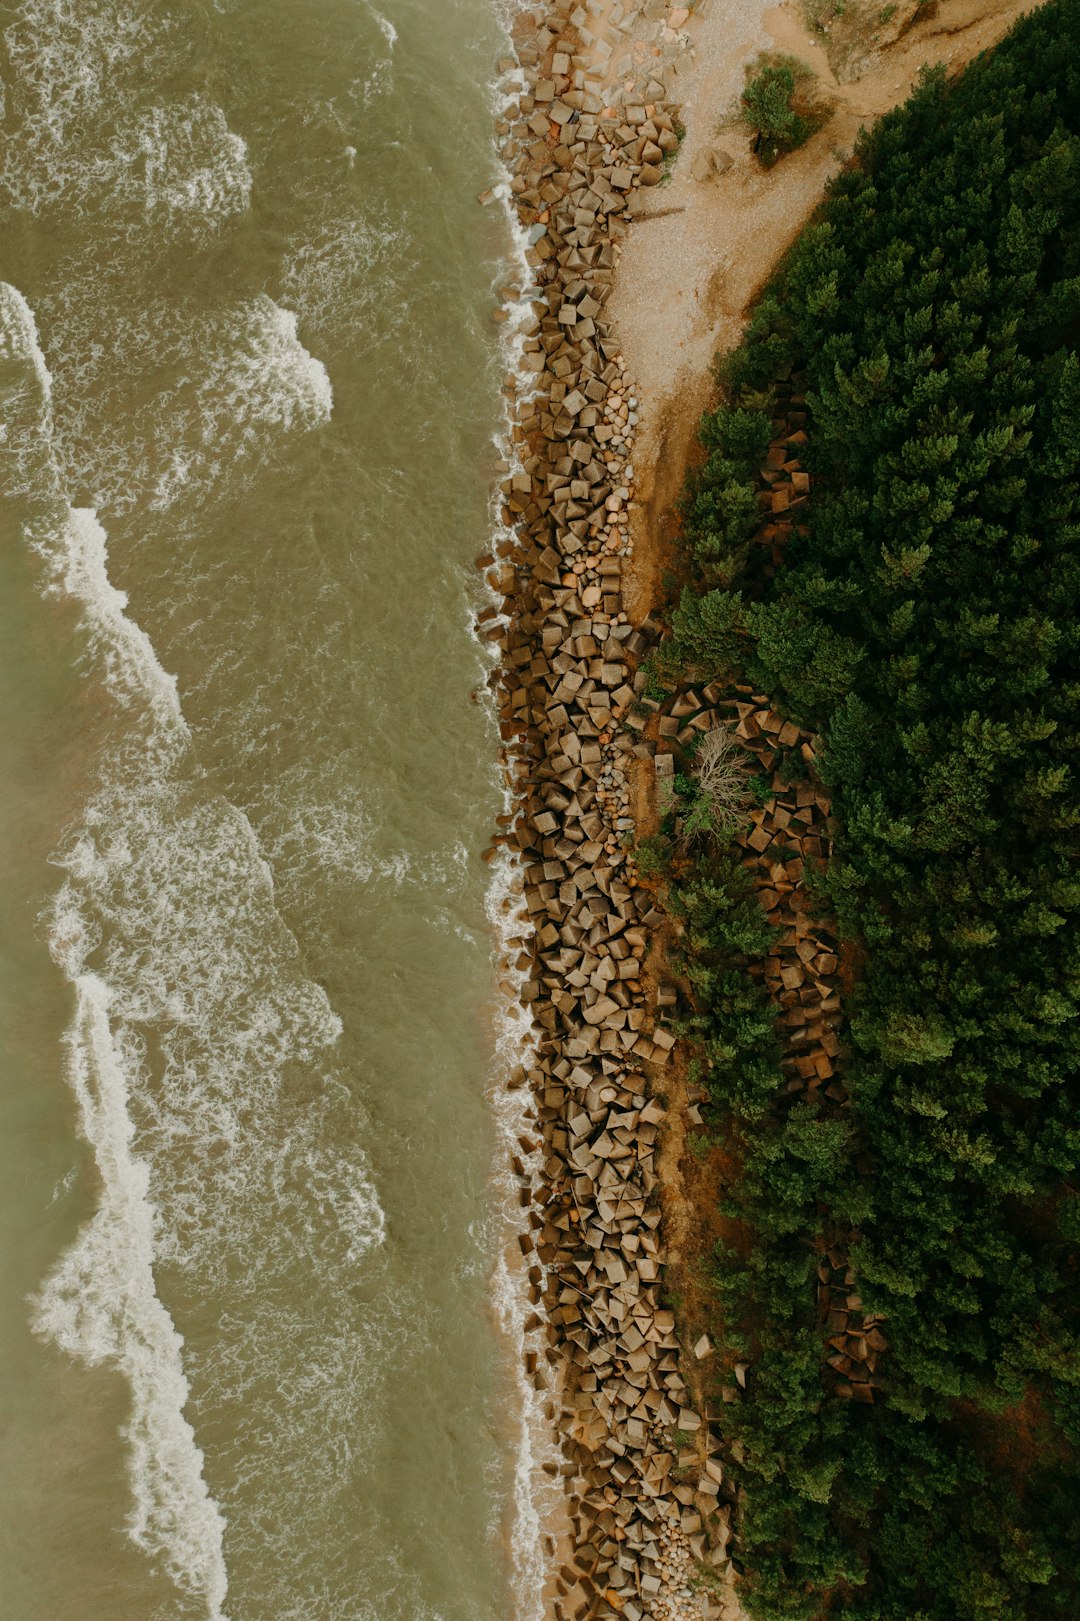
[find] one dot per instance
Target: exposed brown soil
(1013, 1442)
(698, 1227)
(852, 961)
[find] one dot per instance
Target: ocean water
(253, 1306)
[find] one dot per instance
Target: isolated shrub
(768, 104)
(652, 855)
(721, 772)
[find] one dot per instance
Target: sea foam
(187, 401)
(337, 274)
(534, 1499)
(389, 32)
(538, 1503)
(191, 1010)
(100, 1305)
(180, 163)
(77, 564)
(82, 136)
(251, 380)
(27, 468)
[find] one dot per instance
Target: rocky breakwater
(639, 1466)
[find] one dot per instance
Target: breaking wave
(82, 134)
(183, 404)
(252, 379)
(100, 1306)
(198, 1050)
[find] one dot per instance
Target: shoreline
(612, 337)
(598, 1348)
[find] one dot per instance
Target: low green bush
(768, 106)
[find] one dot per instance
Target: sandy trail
(688, 277)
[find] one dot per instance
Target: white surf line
(100, 1305)
(389, 32)
(78, 565)
(537, 1498)
(532, 1504)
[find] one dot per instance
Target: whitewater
(265, 1328)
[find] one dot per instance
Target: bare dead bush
(721, 791)
(721, 769)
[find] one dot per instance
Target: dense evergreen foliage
(928, 627)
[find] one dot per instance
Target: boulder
(709, 163)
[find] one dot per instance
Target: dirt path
(688, 277)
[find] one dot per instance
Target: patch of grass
(660, 679)
(668, 164)
(707, 1580)
(823, 15)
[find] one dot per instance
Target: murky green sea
(248, 388)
